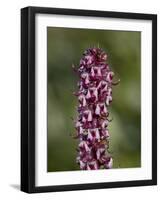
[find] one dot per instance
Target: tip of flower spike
(93, 56)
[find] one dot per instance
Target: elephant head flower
(94, 96)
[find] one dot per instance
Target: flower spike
(94, 96)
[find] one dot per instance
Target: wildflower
(94, 96)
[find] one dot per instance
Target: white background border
(60, 178)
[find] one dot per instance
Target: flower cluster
(94, 96)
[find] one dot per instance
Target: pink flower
(94, 96)
(82, 99)
(110, 76)
(89, 59)
(93, 135)
(87, 116)
(84, 146)
(92, 165)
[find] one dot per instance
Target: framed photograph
(88, 99)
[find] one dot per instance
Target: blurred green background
(64, 48)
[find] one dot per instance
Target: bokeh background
(64, 48)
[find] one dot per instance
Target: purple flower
(94, 96)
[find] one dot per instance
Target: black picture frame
(28, 98)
